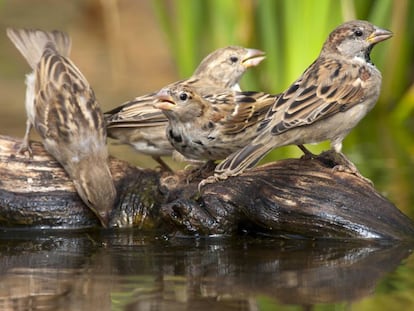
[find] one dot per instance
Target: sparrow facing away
(211, 123)
(63, 109)
(139, 124)
(329, 99)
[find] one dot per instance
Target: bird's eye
(358, 33)
(234, 59)
(183, 96)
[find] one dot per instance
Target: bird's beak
(253, 58)
(103, 218)
(164, 101)
(379, 35)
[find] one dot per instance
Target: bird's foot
(213, 179)
(343, 164)
(25, 149)
(209, 180)
(201, 171)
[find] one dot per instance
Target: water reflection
(127, 271)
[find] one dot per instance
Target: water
(128, 270)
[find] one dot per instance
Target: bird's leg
(164, 166)
(25, 145)
(180, 158)
(307, 155)
(196, 168)
(205, 169)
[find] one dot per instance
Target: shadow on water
(97, 270)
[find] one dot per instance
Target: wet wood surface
(303, 198)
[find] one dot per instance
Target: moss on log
(296, 197)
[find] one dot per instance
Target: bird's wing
(326, 88)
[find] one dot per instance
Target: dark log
(37, 192)
(296, 198)
(293, 197)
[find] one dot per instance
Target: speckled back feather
(62, 93)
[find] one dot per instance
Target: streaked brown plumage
(211, 123)
(139, 124)
(62, 107)
(325, 103)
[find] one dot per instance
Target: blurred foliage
(292, 32)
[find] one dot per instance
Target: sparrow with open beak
(211, 123)
(139, 124)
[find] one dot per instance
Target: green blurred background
(127, 48)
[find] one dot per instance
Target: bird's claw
(25, 150)
(346, 166)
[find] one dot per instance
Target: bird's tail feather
(242, 160)
(32, 42)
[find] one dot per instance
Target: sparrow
(62, 107)
(327, 101)
(211, 123)
(139, 124)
